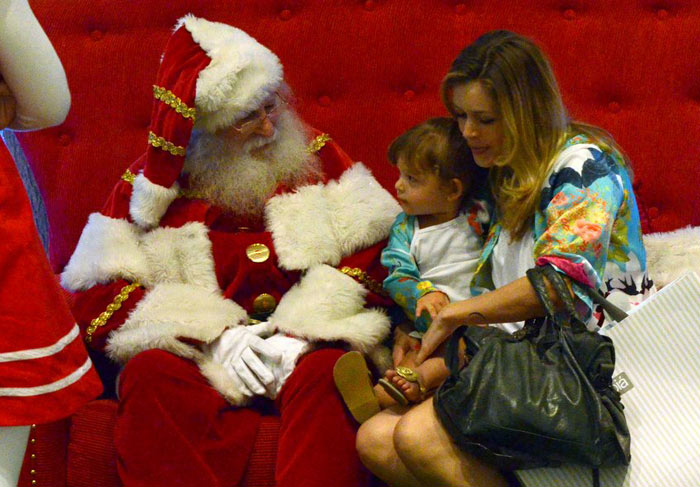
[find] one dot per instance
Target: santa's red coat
(202, 271)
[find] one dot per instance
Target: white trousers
(13, 443)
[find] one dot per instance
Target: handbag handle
(535, 275)
(452, 350)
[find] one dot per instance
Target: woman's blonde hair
(519, 78)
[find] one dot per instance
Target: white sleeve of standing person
(31, 68)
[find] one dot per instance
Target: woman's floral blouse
(587, 226)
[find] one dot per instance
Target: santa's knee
(152, 370)
(315, 369)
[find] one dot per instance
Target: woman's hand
(8, 105)
(403, 344)
(433, 303)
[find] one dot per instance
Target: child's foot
(409, 382)
(392, 392)
(352, 378)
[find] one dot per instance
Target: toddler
(433, 249)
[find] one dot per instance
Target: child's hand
(403, 345)
(432, 302)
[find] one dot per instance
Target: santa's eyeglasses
(271, 109)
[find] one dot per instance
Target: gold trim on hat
(128, 176)
(166, 145)
(318, 143)
(170, 99)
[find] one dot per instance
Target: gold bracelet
(101, 320)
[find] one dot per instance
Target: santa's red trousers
(174, 429)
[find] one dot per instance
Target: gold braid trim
(111, 308)
(129, 177)
(166, 145)
(318, 143)
(170, 99)
(363, 278)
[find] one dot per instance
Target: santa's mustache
(241, 176)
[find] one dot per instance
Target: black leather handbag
(541, 397)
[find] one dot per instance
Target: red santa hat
(211, 75)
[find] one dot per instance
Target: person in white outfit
(45, 373)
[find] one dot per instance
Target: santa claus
(237, 258)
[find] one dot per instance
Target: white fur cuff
(108, 249)
(322, 224)
(169, 311)
(180, 255)
(301, 228)
(363, 211)
(328, 305)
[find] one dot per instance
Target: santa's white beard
(241, 177)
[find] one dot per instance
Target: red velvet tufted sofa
(363, 71)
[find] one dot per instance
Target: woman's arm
(516, 301)
(31, 69)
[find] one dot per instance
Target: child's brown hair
(438, 146)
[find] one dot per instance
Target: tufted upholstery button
(569, 14)
(662, 13)
(653, 212)
(370, 5)
(324, 100)
(96, 35)
(614, 106)
(409, 95)
(285, 14)
(460, 9)
(64, 139)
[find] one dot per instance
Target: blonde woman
(563, 197)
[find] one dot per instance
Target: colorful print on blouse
(404, 283)
(587, 226)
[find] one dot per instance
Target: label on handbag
(622, 383)
(656, 349)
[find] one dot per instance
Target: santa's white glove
(271, 361)
(228, 349)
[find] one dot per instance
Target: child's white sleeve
(31, 69)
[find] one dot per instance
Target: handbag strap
(613, 311)
(536, 276)
(452, 350)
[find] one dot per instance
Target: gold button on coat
(258, 252)
(265, 303)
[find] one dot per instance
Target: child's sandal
(411, 375)
(353, 380)
(394, 392)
